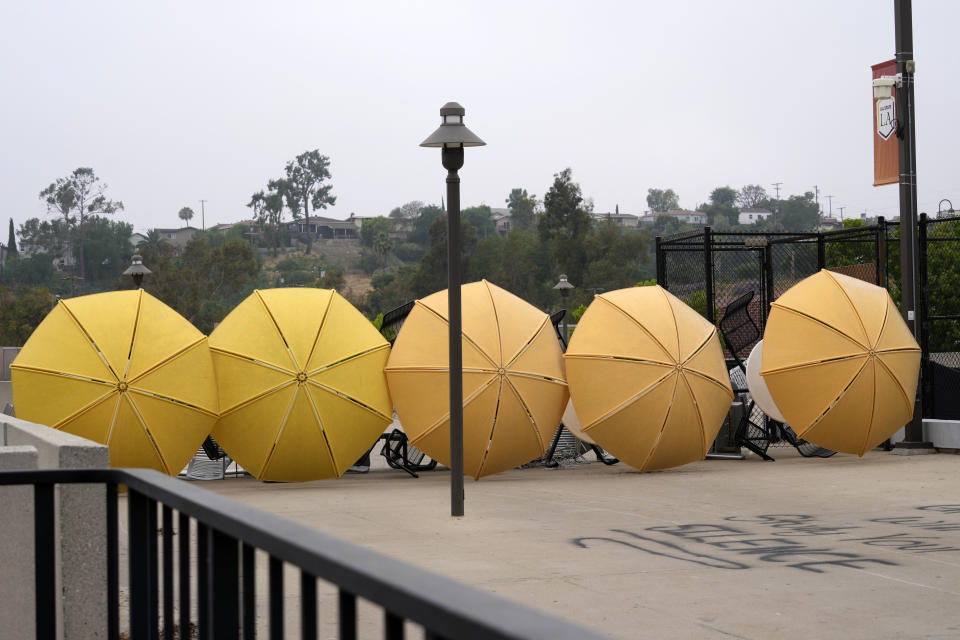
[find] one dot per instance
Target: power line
(776, 185)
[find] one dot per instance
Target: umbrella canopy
(122, 369)
(302, 390)
(840, 362)
(514, 390)
(648, 378)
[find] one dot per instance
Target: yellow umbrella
(840, 362)
(648, 378)
(301, 381)
(122, 369)
(514, 390)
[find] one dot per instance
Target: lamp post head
(564, 285)
(136, 270)
(941, 210)
(452, 133)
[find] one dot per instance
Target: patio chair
(756, 430)
(402, 455)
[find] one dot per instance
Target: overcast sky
(172, 102)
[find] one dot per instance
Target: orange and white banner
(886, 146)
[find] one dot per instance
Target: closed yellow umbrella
(840, 362)
(647, 378)
(122, 369)
(514, 390)
(302, 390)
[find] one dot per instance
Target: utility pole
(903, 17)
(830, 200)
(776, 185)
(816, 197)
(841, 213)
(203, 215)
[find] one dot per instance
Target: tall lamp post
(136, 270)
(452, 136)
(564, 286)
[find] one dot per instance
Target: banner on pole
(886, 146)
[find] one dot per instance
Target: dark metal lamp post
(564, 286)
(941, 210)
(136, 270)
(452, 136)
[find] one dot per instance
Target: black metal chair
(402, 455)
(756, 430)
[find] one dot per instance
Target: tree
(798, 213)
(420, 234)
(304, 186)
(107, 250)
(722, 205)
(565, 223)
(51, 237)
(660, 200)
(481, 218)
(185, 214)
(522, 208)
(76, 197)
(21, 311)
(751, 196)
(11, 241)
(372, 228)
(408, 211)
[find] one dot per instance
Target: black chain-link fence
(710, 269)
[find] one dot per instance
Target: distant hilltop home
(328, 227)
(178, 237)
(826, 224)
(695, 218)
(752, 216)
(501, 220)
(136, 239)
(625, 220)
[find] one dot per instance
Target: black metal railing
(228, 534)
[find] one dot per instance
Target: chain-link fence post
(708, 273)
(821, 252)
(661, 270)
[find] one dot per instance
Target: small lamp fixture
(136, 270)
(564, 286)
(883, 86)
(452, 133)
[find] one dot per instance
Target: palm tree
(185, 214)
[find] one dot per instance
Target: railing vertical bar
(154, 569)
(45, 558)
(276, 598)
(249, 593)
(308, 606)
(113, 566)
(183, 531)
(393, 626)
(203, 581)
(167, 573)
(225, 586)
(347, 613)
(138, 550)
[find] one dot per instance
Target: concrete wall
(944, 434)
(80, 535)
(16, 549)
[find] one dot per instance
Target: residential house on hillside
(178, 237)
(136, 239)
(501, 220)
(751, 216)
(330, 228)
(695, 218)
(625, 220)
(828, 224)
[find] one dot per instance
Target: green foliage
(662, 200)
(751, 196)
(420, 234)
(409, 252)
(522, 209)
(34, 270)
(798, 213)
(11, 241)
(698, 302)
(564, 224)
(647, 283)
(481, 218)
(185, 214)
(373, 227)
(578, 312)
(305, 185)
(332, 279)
(21, 310)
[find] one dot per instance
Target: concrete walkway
(798, 548)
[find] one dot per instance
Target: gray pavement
(798, 548)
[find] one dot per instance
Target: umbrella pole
(452, 162)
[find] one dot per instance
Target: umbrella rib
(61, 374)
(673, 314)
(529, 341)
(852, 306)
(240, 356)
(533, 423)
(360, 354)
(168, 359)
(703, 431)
(146, 429)
(323, 434)
(259, 396)
(642, 328)
(133, 334)
(873, 411)
(537, 376)
(316, 338)
(626, 403)
(82, 410)
(493, 427)
(713, 381)
(666, 416)
(889, 371)
(437, 369)
(446, 417)
(90, 340)
(703, 375)
(276, 439)
(113, 420)
(821, 323)
(350, 399)
(181, 403)
(813, 363)
(834, 402)
(463, 333)
(276, 326)
(619, 358)
(496, 320)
